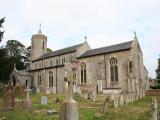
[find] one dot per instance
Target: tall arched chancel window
(83, 73)
(50, 79)
(114, 69)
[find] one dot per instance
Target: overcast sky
(104, 22)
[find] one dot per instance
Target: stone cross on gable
(27, 91)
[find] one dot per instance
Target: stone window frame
(131, 66)
(43, 45)
(50, 78)
(83, 73)
(114, 69)
(39, 80)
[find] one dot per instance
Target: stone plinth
(28, 103)
(69, 110)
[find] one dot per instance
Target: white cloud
(66, 22)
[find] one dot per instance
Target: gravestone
(94, 96)
(17, 90)
(22, 90)
(27, 92)
(44, 100)
(28, 101)
(58, 100)
(154, 109)
(116, 101)
(106, 105)
(48, 91)
(9, 99)
(38, 90)
(121, 100)
(33, 90)
(69, 108)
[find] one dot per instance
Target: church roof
(108, 49)
(59, 52)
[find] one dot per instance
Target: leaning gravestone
(9, 99)
(44, 100)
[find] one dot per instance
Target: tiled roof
(108, 49)
(59, 52)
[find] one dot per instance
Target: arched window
(39, 79)
(130, 66)
(83, 73)
(26, 83)
(114, 69)
(50, 79)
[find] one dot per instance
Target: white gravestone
(44, 100)
(27, 91)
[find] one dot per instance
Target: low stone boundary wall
(152, 92)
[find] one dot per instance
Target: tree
(158, 72)
(1, 32)
(157, 85)
(13, 52)
(18, 52)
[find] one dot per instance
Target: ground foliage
(138, 110)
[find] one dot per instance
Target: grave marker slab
(44, 100)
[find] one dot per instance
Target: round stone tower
(38, 45)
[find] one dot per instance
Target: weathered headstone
(154, 109)
(48, 91)
(121, 100)
(116, 101)
(28, 101)
(106, 105)
(33, 90)
(58, 100)
(38, 90)
(27, 92)
(44, 100)
(17, 90)
(94, 96)
(69, 108)
(9, 99)
(22, 90)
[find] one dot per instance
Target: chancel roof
(108, 49)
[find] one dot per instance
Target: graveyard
(88, 110)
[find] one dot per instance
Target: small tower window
(43, 45)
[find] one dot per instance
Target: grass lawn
(138, 110)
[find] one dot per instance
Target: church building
(117, 68)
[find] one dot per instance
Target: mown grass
(138, 110)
